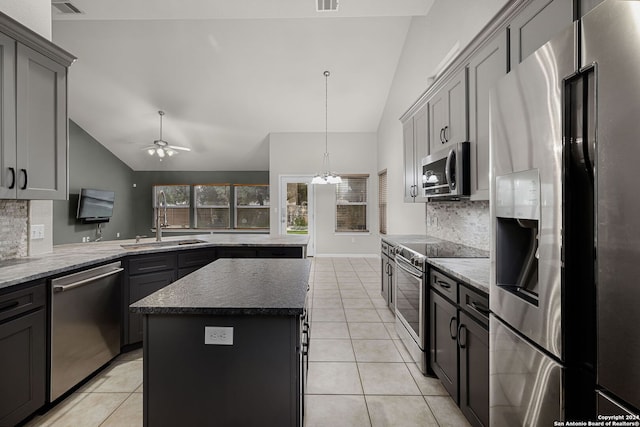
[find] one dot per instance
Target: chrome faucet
(162, 204)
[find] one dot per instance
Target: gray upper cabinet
(486, 67)
(41, 100)
(33, 114)
(448, 113)
(416, 146)
(536, 24)
(7, 117)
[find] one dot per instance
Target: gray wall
(145, 180)
(91, 165)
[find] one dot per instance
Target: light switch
(37, 231)
(218, 335)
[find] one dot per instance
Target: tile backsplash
(14, 219)
(464, 222)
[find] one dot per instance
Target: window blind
(382, 201)
(351, 204)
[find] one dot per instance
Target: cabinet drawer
(152, 263)
(21, 301)
(475, 303)
(197, 258)
(237, 252)
(444, 285)
(280, 252)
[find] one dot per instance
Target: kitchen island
(224, 345)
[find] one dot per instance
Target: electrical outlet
(117, 235)
(218, 335)
(37, 231)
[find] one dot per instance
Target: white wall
(429, 39)
(350, 153)
(34, 14)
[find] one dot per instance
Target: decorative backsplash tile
(14, 217)
(464, 222)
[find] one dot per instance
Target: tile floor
(359, 372)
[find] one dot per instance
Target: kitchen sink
(168, 243)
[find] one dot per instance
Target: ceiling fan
(161, 147)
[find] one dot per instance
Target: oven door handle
(399, 263)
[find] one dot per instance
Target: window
(252, 206)
(382, 201)
(177, 208)
(351, 204)
(212, 206)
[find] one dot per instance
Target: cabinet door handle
(479, 307)
(441, 137)
(443, 284)
(461, 327)
(446, 138)
(13, 178)
(453, 337)
(9, 306)
(26, 179)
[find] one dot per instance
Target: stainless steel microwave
(446, 173)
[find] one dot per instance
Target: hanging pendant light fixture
(326, 177)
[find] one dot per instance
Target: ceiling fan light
(151, 151)
(160, 152)
(170, 152)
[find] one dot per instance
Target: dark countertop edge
(118, 254)
(218, 311)
(481, 286)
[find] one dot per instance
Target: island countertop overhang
(235, 287)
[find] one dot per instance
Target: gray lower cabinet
(536, 24)
(459, 344)
(256, 381)
(145, 274)
(486, 67)
(22, 353)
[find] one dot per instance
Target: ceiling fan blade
(175, 147)
(149, 147)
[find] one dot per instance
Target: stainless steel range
(411, 293)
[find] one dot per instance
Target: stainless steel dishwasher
(85, 324)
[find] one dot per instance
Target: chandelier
(326, 177)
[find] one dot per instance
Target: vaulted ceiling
(227, 73)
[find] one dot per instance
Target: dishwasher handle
(63, 288)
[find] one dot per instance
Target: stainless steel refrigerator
(565, 264)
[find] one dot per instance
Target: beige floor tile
(330, 330)
(350, 286)
(357, 303)
(131, 355)
(373, 293)
(326, 285)
(129, 414)
(327, 315)
(368, 274)
(330, 411)
(405, 411)
(376, 351)
(121, 377)
(429, 386)
(331, 350)
(391, 328)
(368, 330)
(406, 356)
(323, 267)
(386, 315)
(327, 302)
(362, 315)
(319, 275)
(387, 379)
(346, 275)
(333, 378)
(81, 409)
(326, 293)
(446, 411)
(342, 267)
(378, 301)
(140, 389)
(350, 294)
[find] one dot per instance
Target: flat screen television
(95, 205)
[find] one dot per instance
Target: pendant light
(326, 177)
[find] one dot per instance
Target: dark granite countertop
(73, 256)
(471, 268)
(235, 287)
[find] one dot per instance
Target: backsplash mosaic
(464, 222)
(14, 217)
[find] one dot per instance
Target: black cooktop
(444, 249)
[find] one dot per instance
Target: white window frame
(196, 206)
(367, 205)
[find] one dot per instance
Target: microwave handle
(447, 169)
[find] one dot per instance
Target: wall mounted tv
(95, 205)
